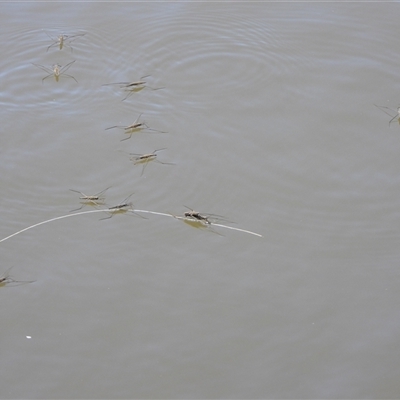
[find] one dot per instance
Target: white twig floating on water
(134, 211)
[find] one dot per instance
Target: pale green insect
(133, 87)
(95, 199)
(56, 70)
(136, 126)
(63, 40)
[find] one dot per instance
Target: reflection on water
(267, 112)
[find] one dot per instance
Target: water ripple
(200, 46)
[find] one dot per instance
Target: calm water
(269, 120)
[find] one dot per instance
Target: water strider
(134, 86)
(122, 208)
(96, 199)
(63, 40)
(144, 159)
(195, 215)
(134, 127)
(205, 220)
(56, 71)
(204, 217)
(201, 220)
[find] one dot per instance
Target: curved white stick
(108, 210)
(237, 229)
(50, 220)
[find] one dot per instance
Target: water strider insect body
(206, 220)
(121, 208)
(197, 220)
(140, 82)
(56, 71)
(134, 86)
(62, 40)
(146, 158)
(134, 127)
(96, 199)
(204, 217)
(197, 216)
